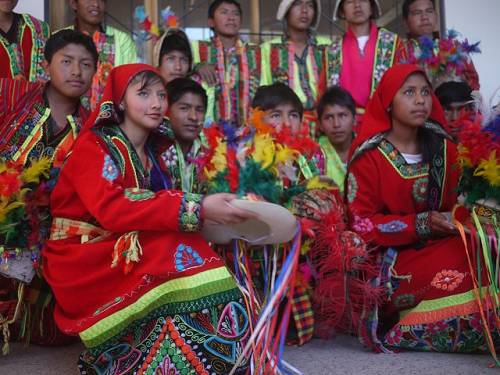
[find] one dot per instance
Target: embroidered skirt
(197, 337)
(434, 299)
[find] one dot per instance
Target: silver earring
(121, 107)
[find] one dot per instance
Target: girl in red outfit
(131, 274)
(401, 180)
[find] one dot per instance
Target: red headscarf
(118, 81)
(376, 118)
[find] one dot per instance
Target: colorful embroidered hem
(202, 338)
(449, 324)
(189, 293)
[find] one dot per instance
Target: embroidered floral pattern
(136, 194)
(170, 157)
(352, 188)
(447, 280)
(422, 225)
(109, 170)
(384, 57)
(394, 226)
(435, 328)
(189, 213)
(186, 258)
(182, 169)
(394, 336)
(420, 189)
(362, 225)
(456, 334)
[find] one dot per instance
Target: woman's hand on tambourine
(217, 208)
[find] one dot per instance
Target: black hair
(429, 143)
(217, 3)
(146, 78)
(271, 96)
(453, 92)
(373, 4)
(61, 39)
(336, 95)
(178, 87)
(176, 40)
(406, 7)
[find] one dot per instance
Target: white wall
(34, 7)
(479, 21)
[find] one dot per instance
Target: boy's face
(421, 19)
(7, 6)
(336, 123)
(187, 116)
(71, 70)
(226, 20)
(89, 11)
(456, 110)
(357, 12)
(174, 64)
(301, 15)
(284, 115)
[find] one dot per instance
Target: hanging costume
(238, 71)
(29, 137)
(130, 273)
(426, 280)
(22, 48)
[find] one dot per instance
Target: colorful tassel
(128, 247)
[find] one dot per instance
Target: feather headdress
(443, 59)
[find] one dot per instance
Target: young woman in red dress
(402, 178)
(131, 273)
